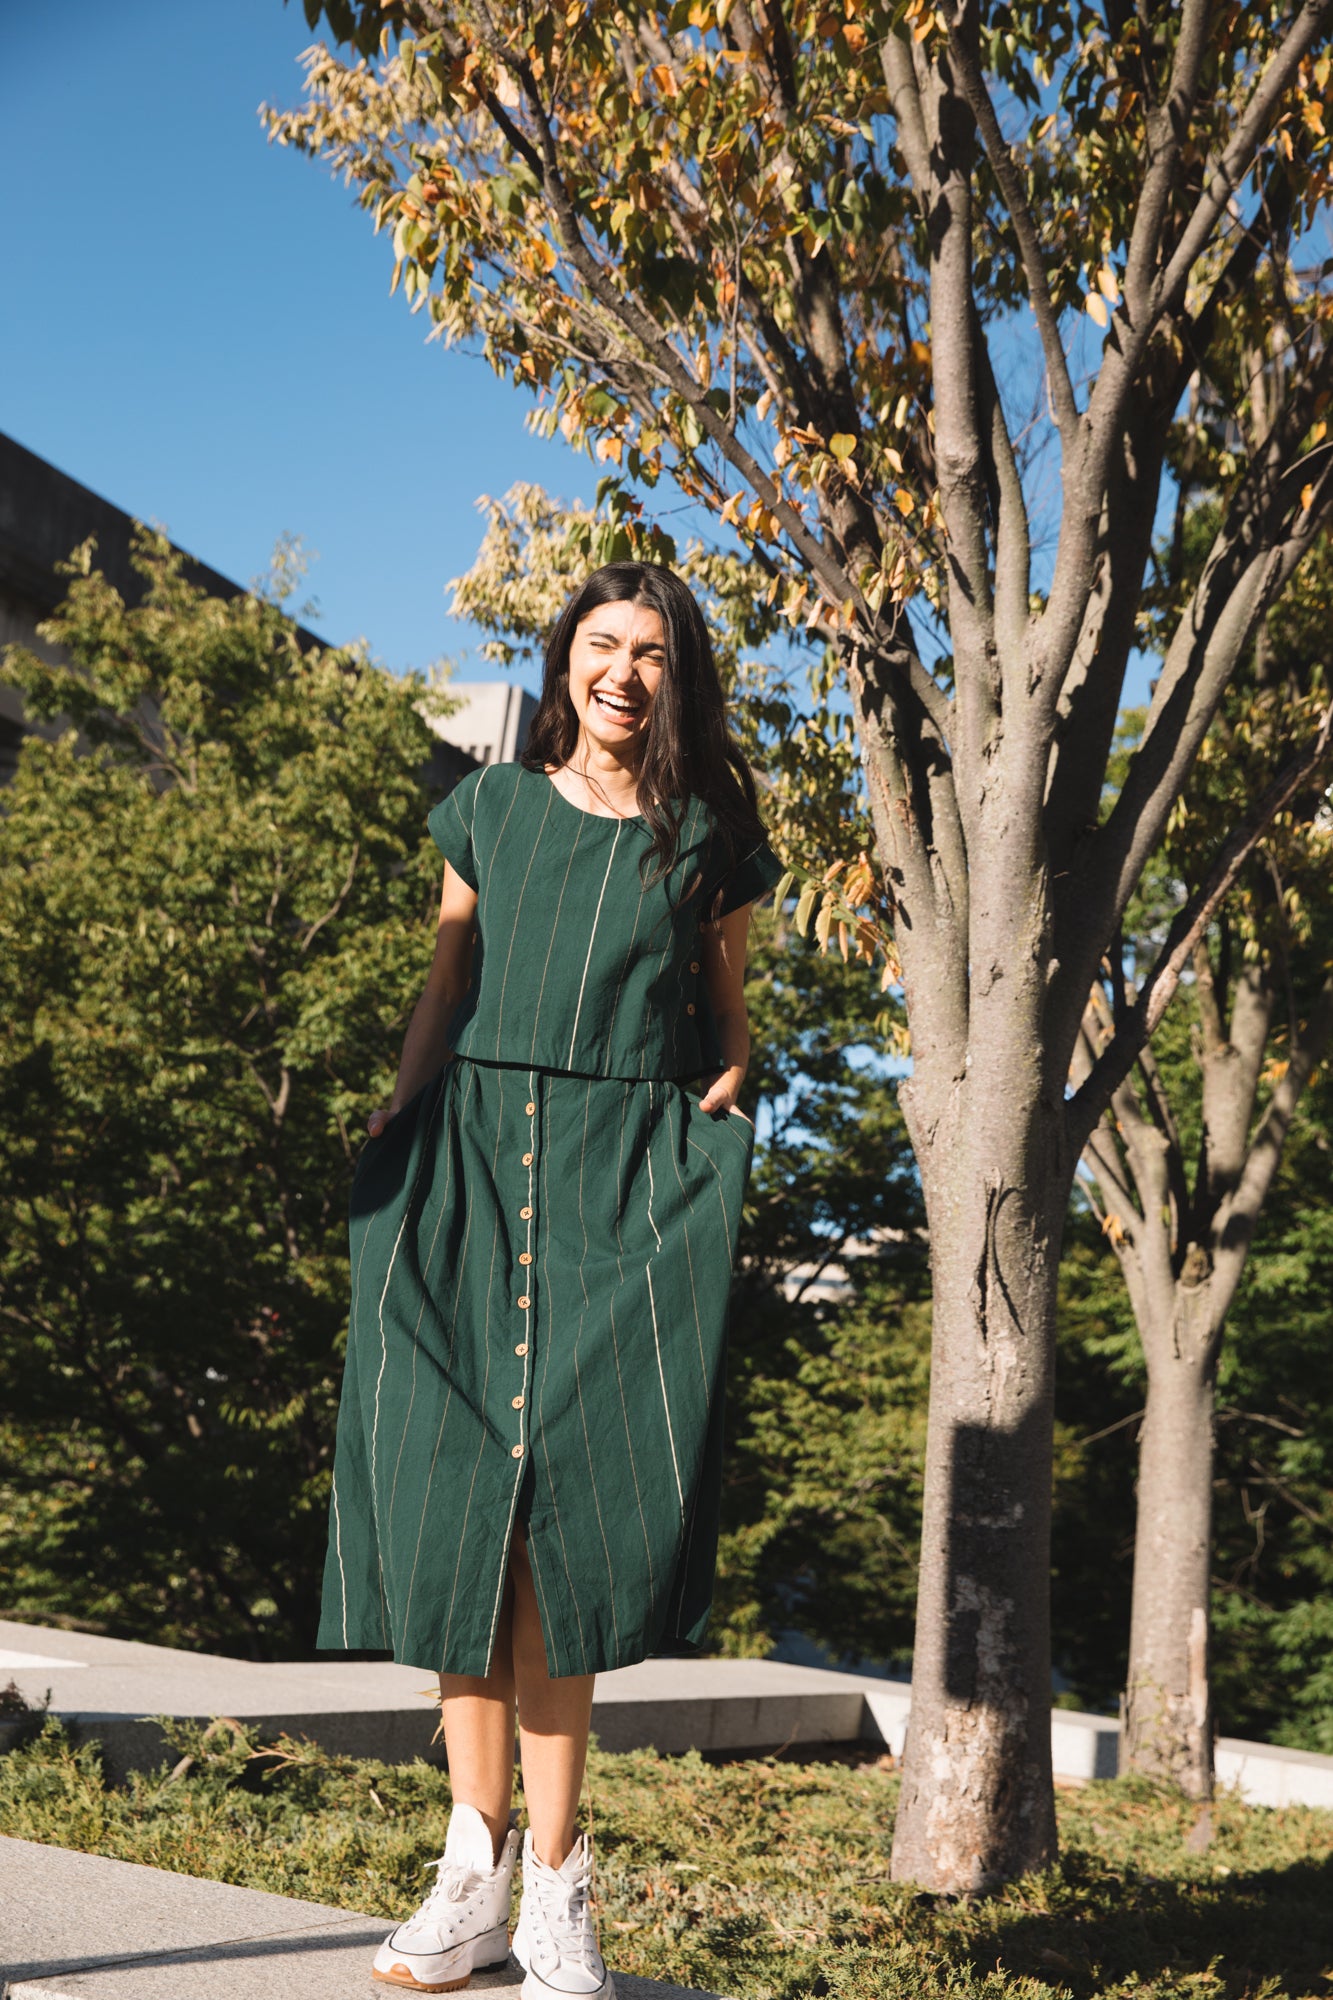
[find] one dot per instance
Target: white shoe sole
(480, 1954)
(536, 1988)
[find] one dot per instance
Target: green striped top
(576, 965)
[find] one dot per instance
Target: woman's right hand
(377, 1121)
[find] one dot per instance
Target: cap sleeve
(745, 881)
(450, 823)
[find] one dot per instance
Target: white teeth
(616, 702)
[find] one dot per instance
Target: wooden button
(527, 1157)
(525, 1256)
(694, 965)
(530, 1109)
(689, 1007)
(518, 1402)
(524, 1302)
(522, 1347)
(517, 1452)
(525, 1213)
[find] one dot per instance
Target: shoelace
(562, 1911)
(453, 1884)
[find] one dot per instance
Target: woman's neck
(601, 782)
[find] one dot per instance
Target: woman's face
(616, 660)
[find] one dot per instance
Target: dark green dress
(542, 1245)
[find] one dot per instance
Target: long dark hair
(689, 751)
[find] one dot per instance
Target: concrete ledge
(81, 1927)
(1268, 1775)
(106, 1689)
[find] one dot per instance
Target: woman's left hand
(723, 1090)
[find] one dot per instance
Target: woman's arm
(425, 1050)
(722, 947)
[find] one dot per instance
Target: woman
(543, 1227)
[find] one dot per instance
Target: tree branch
(1251, 558)
(1239, 1213)
(1020, 214)
(1083, 1110)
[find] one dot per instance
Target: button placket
(527, 1213)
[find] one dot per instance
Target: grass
(765, 1879)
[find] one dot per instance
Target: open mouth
(622, 707)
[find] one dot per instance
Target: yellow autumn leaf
(1095, 307)
(904, 502)
(824, 924)
(900, 414)
(1307, 495)
(893, 458)
(842, 445)
(1107, 285)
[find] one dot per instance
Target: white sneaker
(554, 1941)
(463, 1924)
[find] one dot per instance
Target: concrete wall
(492, 724)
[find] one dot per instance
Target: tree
(1184, 1163)
(213, 912)
(770, 254)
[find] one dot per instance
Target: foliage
(212, 910)
(638, 215)
(765, 1878)
(821, 1508)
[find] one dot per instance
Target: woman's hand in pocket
(722, 1089)
(378, 1121)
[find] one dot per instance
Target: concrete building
(493, 723)
(45, 515)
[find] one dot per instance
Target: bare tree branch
(961, 33)
(1116, 1060)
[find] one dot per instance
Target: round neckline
(611, 819)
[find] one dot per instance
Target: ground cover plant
(763, 1878)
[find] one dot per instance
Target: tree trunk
(977, 1803)
(1168, 1724)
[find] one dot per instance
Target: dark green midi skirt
(540, 1269)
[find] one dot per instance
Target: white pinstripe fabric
(541, 1248)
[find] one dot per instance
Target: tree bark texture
(977, 1800)
(1168, 1724)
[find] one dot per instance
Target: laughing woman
(543, 1226)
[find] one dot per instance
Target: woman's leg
(478, 1717)
(553, 1719)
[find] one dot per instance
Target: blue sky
(196, 324)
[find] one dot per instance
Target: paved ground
(79, 1927)
(107, 1687)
